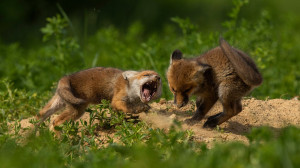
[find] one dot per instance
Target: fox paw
(142, 108)
(214, 116)
(212, 121)
(190, 121)
(196, 118)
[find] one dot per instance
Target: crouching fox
(223, 73)
(128, 91)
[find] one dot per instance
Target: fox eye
(147, 75)
(173, 90)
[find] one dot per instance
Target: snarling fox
(223, 73)
(128, 91)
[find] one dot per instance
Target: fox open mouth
(148, 90)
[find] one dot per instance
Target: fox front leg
(203, 105)
(230, 109)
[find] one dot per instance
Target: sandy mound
(275, 113)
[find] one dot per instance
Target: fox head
(145, 84)
(185, 77)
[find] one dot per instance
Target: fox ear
(176, 55)
(201, 69)
(128, 74)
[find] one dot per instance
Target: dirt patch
(275, 113)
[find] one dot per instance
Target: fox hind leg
(55, 104)
(71, 112)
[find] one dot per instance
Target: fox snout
(181, 100)
(155, 78)
(181, 104)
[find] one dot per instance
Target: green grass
(142, 146)
(28, 78)
(271, 42)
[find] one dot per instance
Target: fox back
(223, 73)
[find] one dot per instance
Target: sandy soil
(275, 113)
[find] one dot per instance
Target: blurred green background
(141, 34)
(40, 41)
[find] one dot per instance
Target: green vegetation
(141, 146)
(272, 45)
(28, 76)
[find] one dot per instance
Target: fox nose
(181, 105)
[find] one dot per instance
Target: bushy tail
(64, 91)
(243, 64)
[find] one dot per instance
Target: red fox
(128, 91)
(223, 73)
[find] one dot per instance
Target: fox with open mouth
(128, 91)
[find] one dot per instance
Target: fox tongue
(146, 94)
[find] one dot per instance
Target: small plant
(106, 117)
(185, 24)
(233, 15)
(130, 133)
(66, 46)
(12, 100)
(219, 129)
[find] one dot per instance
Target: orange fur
(123, 88)
(223, 73)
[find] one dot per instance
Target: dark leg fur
(231, 109)
(203, 106)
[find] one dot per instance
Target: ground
(275, 113)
